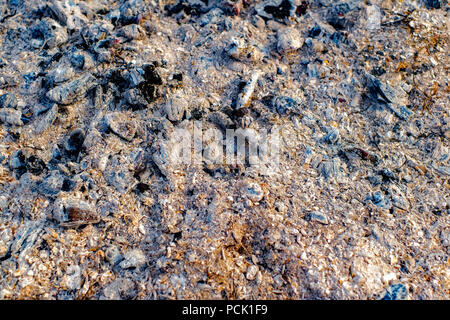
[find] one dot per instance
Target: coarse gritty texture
(91, 207)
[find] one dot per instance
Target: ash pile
(352, 94)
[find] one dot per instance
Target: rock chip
(73, 277)
(74, 142)
(276, 9)
(285, 105)
(132, 32)
(113, 255)
(242, 50)
(52, 183)
(59, 75)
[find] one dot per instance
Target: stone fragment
(243, 99)
(121, 288)
(285, 105)
(45, 119)
(73, 277)
(74, 142)
(240, 49)
(276, 9)
(113, 255)
(59, 75)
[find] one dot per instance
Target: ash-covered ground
(93, 205)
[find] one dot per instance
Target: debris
(289, 40)
(241, 49)
(243, 99)
(251, 273)
(52, 183)
(194, 149)
(44, 120)
(74, 278)
(395, 292)
(132, 32)
(278, 9)
(11, 116)
(60, 75)
(72, 213)
(70, 91)
(74, 142)
(253, 191)
(121, 288)
(285, 105)
(8, 100)
(317, 217)
(329, 169)
(175, 107)
(122, 125)
(134, 258)
(113, 255)
(35, 165)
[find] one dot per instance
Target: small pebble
(289, 40)
(316, 216)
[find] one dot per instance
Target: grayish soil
(91, 206)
